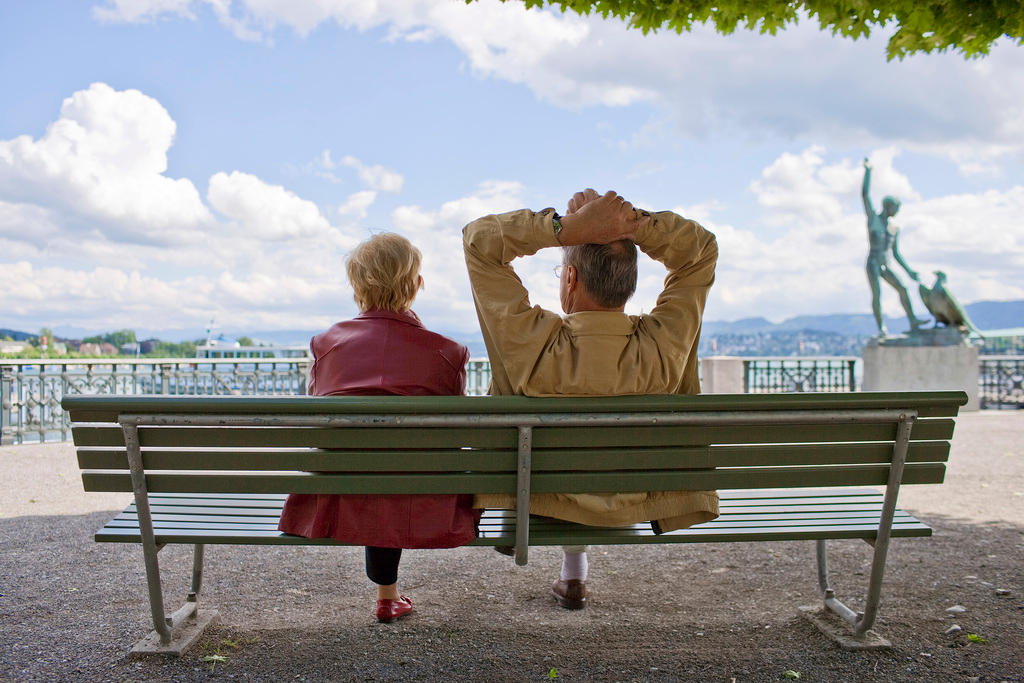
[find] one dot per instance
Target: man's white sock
(574, 566)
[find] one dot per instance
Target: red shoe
(389, 610)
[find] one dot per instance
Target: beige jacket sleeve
(690, 253)
(511, 327)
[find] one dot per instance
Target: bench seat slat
(164, 525)
(200, 517)
(587, 535)
(776, 519)
(168, 511)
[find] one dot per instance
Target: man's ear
(570, 276)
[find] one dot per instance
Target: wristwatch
(556, 225)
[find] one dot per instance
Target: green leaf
(215, 658)
(975, 638)
(970, 26)
(229, 643)
(553, 673)
(791, 674)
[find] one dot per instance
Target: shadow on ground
(71, 609)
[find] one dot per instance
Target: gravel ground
(70, 609)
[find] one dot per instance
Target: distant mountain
(996, 315)
(15, 335)
(987, 315)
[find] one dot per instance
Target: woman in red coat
(382, 351)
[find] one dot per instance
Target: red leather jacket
(382, 353)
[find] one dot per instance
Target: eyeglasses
(557, 270)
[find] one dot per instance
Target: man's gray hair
(606, 271)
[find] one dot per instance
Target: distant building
(93, 349)
(130, 349)
(12, 346)
(236, 350)
(1001, 342)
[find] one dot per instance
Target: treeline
(118, 342)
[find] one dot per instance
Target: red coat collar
(408, 317)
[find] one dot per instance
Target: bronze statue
(944, 306)
(883, 239)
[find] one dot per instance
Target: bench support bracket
(863, 621)
(177, 633)
(523, 465)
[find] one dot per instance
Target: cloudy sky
(165, 163)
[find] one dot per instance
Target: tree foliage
(163, 349)
(118, 338)
(970, 26)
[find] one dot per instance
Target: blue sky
(164, 163)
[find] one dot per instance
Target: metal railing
(31, 389)
(478, 376)
(1001, 382)
(788, 374)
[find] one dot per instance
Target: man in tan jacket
(595, 349)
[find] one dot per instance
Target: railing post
(6, 404)
(165, 377)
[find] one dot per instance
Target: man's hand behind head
(599, 219)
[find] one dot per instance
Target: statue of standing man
(883, 239)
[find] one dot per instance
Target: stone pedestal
(922, 368)
(721, 375)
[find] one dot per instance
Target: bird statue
(944, 306)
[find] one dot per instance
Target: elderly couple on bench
(595, 349)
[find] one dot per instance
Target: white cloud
(87, 200)
(356, 205)
(747, 84)
(375, 177)
(446, 301)
(134, 11)
(103, 161)
(264, 211)
(816, 264)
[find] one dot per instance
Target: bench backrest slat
(787, 449)
(481, 482)
(492, 437)
(544, 460)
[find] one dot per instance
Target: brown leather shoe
(571, 594)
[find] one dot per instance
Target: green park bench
(211, 470)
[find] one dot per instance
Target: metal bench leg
(863, 621)
(899, 458)
(149, 547)
(197, 572)
(172, 635)
(523, 495)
